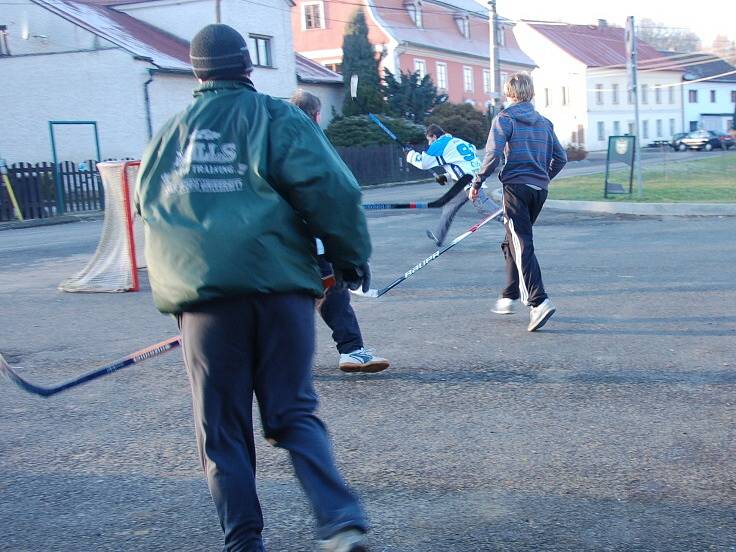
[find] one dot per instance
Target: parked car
(727, 140)
(704, 140)
(675, 141)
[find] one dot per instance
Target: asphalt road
(613, 428)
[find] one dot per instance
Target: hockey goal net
(114, 265)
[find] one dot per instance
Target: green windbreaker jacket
(233, 191)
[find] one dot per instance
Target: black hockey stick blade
(375, 293)
(133, 358)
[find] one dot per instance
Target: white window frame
(441, 68)
(420, 66)
(713, 96)
(659, 128)
(614, 94)
(645, 129)
(672, 126)
(546, 97)
(598, 94)
(657, 94)
(692, 95)
(303, 11)
(415, 12)
(671, 94)
(255, 53)
(644, 96)
(616, 128)
(468, 84)
(601, 129)
(487, 81)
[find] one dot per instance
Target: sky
(711, 18)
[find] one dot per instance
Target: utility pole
(494, 57)
(217, 12)
(631, 68)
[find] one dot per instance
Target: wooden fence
(379, 164)
(36, 191)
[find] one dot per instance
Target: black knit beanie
(219, 52)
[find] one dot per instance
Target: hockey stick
(436, 204)
(385, 129)
(133, 358)
(378, 292)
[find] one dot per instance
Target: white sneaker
(349, 540)
(540, 314)
(505, 306)
(362, 361)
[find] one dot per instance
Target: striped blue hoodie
(526, 142)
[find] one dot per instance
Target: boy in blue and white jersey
(459, 160)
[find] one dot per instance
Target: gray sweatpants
(484, 205)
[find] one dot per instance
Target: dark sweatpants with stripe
(522, 205)
(260, 344)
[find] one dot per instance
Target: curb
(644, 209)
(51, 221)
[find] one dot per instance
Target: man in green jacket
(233, 191)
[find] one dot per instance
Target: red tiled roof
(440, 30)
(594, 45)
(133, 35)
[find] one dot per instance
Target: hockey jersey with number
(456, 156)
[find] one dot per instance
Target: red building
(447, 39)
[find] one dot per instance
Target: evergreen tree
(411, 97)
(359, 58)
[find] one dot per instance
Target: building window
(313, 15)
(599, 94)
(672, 127)
(659, 128)
(614, 94)
(631, 129)
(487, 81)
(467, 78)
(616, 128)
(501, 36)
(564, 95)
(645, 130)
(712, 96)
(733, 96)
(671, 93)
(4, 50)
(463, 25)
(644, 94)
(420, 66)
(692, 96)
(415, 11)
(260, 51)
(630, 98)
(657, 94)
(546, 97)
(441, 76)
(601, 131)
(335, 67)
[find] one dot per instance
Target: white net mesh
(119, 254)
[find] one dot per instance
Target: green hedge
(359, 130)
(463, 121)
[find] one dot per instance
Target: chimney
(602, 23)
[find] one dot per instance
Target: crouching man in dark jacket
(232, 192)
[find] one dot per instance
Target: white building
(582, 87)
(124, 65)
(708, 93)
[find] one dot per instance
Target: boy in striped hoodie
(524, 142)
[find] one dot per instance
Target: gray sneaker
(362, 361)
(349, 540)
(540, 314)
(505, 305)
